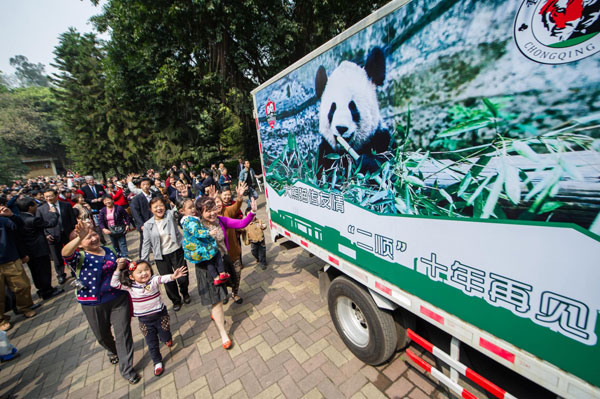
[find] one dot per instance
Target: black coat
(140, 209)
(89, 196)
(67, 220)
(32, 233)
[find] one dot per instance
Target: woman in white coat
(163, 238)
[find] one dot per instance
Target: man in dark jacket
(93, 193)
(58, 235)
(206, 180)
(36, 246)
(140, 208)
(11, 268)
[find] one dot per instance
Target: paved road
(285, 346)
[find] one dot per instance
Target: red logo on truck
(270, 109)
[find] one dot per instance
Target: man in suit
(140, 208)
(58, 235)
(36, 246)
(93, 193)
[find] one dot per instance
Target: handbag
(117, 231)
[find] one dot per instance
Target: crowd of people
(78, 226)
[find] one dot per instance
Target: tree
(27, 73)
(10, 166)
(185, 68)
(28, 121)
(82, 110)
(4, 84)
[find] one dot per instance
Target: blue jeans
(251, 194)
(120, 245)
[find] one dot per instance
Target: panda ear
(320, 81)
(375, 66)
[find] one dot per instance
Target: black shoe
(263, 266)
(187, 299)
(135, 379)
(225, 301)
(34, 306)
(62, 280)
(177, 307)
(55, 291)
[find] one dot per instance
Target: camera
(78, 284)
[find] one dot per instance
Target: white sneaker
(158, 369)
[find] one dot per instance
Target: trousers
(115, 313)
(155, 329)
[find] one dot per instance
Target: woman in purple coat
(115, 222)
(210, 294)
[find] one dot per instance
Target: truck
(442, 158)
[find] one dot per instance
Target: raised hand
(241, 189)
(122, 263)
(182, 271)
(82, 229)
(211, 191)
(4, 211)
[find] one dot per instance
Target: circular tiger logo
(558, 31)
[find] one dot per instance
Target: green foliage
(28, 121)
(184, 69)
(29, 74)
(481, 180)
(10, 166)
(82, 108)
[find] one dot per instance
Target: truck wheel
(369, 332)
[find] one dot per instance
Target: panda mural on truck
(349, 110)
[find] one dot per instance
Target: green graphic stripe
(573, 42)
(516, 222)
(565, 353)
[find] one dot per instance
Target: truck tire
(369, 332)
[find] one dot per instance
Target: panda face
(349, 106)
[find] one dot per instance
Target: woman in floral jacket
(204, 239)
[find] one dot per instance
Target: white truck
(443, 158)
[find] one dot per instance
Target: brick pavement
(285, 346)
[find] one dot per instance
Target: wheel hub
(352, 321)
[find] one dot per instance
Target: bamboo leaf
(523, 149)
(466, 127)
(479, 165)
(492, 199)
(512, 184)
(479, 190)
(547, 181)
(550, 206)
(400, 205)
(414, 180)
(570, 169)
(380, 195)
(464, 184)
(333, 155)
(491, 106)
(446, 195)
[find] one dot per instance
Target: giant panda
(349, 108)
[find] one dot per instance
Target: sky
(31, 28)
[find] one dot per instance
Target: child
(253, 235)
(148, 307)
(199, 245)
